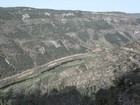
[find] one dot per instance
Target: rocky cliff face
(31, 37)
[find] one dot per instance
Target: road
(48, 66)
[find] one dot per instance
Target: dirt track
(49, 65)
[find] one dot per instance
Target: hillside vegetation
(31, 37)
(96, 79)
(57, 57)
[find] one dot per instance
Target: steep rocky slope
(106, 78)
(31, 37)
(103, 68)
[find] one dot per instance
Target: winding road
(49, 66)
